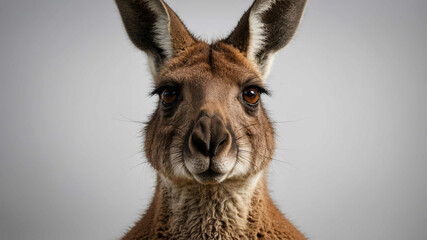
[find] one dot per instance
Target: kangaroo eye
(169, 96)
(251, 95)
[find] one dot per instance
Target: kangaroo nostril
(200, 143)
(216, 144)
(201, 137)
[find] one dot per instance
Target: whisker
(270, 122)
(139, 164)
(132, 155)
(247, 161)
(285, 149)
(126, 119)
(267, 157)
(250, 125)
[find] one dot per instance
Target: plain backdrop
(349, 98)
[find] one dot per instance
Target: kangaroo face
(209, 124)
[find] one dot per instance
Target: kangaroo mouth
(210, 171)
(210, 177)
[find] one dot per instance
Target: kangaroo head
(209, 125)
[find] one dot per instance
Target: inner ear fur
(155, 29)
(266, 27)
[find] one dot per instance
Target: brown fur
(235, 140)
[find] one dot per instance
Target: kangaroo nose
(209, 137)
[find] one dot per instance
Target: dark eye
(169, 96)
(251, 95)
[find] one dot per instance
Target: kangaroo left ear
(265, 28)
(155, 29)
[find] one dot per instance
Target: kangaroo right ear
(154, 28)
(265, 28)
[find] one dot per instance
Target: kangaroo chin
(210, 139)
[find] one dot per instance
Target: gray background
(350, 91)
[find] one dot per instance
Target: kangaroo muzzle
(210, 151)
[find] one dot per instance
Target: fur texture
(241, 210)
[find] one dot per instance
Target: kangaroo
(210, 139)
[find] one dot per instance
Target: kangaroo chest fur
(238, 210)
(212, 212)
